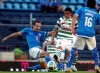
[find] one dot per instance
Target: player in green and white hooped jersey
(64, 34)
(51, 49)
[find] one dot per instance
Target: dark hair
(36, 22)
(68, 9)
(91, 3)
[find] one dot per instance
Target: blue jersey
(87, 18)
(32, 37)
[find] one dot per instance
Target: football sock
(75, 60)
(58, 52)
(34, 67)
(59, 66)
(71, 57)
(95, 56)
(47, 59)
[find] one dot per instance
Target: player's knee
(46, 54)
(94, 50)
(76, 53)
(73, 50)
(43, 65)
(43, 54)
(59, 47)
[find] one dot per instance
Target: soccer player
(84, 34)
(51, 49)
(64, 34)
(33, 37)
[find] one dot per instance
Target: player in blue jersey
(33, 37)
(87, 18)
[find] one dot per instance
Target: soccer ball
(51, 65)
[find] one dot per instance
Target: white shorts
(79, 43)
(35, 52)
(65, 44)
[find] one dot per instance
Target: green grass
(49, 72)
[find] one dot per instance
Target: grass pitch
(49, 72)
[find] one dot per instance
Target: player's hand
(52, 42)
(4, 39)
(73, 31)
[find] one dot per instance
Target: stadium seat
(65, 1)
(9, 6)
(24, 6)
(32, 6)
(2, 6)
(72, 7)
(73, 1)
(35, 0)
(12, 0)
(19, 0)
(26, 0)
(64, 6)
(80, 1)
(16, 6)
(79, 6)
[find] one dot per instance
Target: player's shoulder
(61, 18)
(42, 32)
(27, 28)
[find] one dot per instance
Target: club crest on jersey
(63, 23)
(36, 38)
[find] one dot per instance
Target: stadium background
(17, 14)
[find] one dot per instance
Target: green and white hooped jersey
(63, 32)
(50, 48)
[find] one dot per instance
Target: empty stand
(12, 0)
(2, 6)
(72, 7)
(81, 1)
(9, 6)
(25, 6)
(19, 0)
(17, 6)
(27, 0)
(79, 6)
(73, 1)
(32, 7)
(65, 1)
(35, 0)
(64, 6)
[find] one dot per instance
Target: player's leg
(92, 46)
(68, 44)
(73, 67)
(59, 49)
(78, 43)
(43, 57)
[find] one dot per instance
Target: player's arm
(74, 19)
(54, 32)
(50, 33)
(11, 36)
(44, 46)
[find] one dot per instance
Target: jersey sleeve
(58, 24)
(78, 12)
(24, 31)
(44, 34)
(46, 40)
